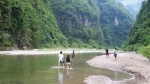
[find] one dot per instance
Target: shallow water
(37, 70)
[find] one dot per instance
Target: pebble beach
(131, 63)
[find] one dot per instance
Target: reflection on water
(115, 75)
(60, 76)
(37, 70)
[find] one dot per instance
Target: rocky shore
(131, 63)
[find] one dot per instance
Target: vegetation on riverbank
(139, 38)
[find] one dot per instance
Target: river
(38, 70)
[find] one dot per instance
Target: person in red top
(107, 53)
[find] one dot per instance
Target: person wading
(61, 59)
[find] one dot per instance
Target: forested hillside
(115, 21)
(79, 21)
(85, 19)
(26, 24)
(139, 37)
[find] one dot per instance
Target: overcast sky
(128, 2)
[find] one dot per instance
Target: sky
(129, 2)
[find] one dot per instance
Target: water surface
(37, 70)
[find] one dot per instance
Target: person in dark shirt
(73, 55)
(68, 61)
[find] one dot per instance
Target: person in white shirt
(115, 53)
(61, 59)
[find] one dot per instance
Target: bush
(146, 51)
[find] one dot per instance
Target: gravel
(131, 63)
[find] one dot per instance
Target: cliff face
(115, 22)
(109, 18)
(79, 20)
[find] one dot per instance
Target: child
(61, 59)
(68, 61)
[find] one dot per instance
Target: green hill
(115, 21)
(79, 21)
(139, 38)
(83, 19)
(27, 24)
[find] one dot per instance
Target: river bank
(131, 63)
(46, 52)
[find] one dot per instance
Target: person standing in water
(73, 55)
(115, 53)
(72, 58)
(68, 61)
(107, 53)
(61, 59)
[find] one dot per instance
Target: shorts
(107, 53)
(115, 55)
(61, 61)
(68, 63)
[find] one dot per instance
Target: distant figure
(68, 61)
(73, 55)
(107, 53)
(61, 59)
(115, 53)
